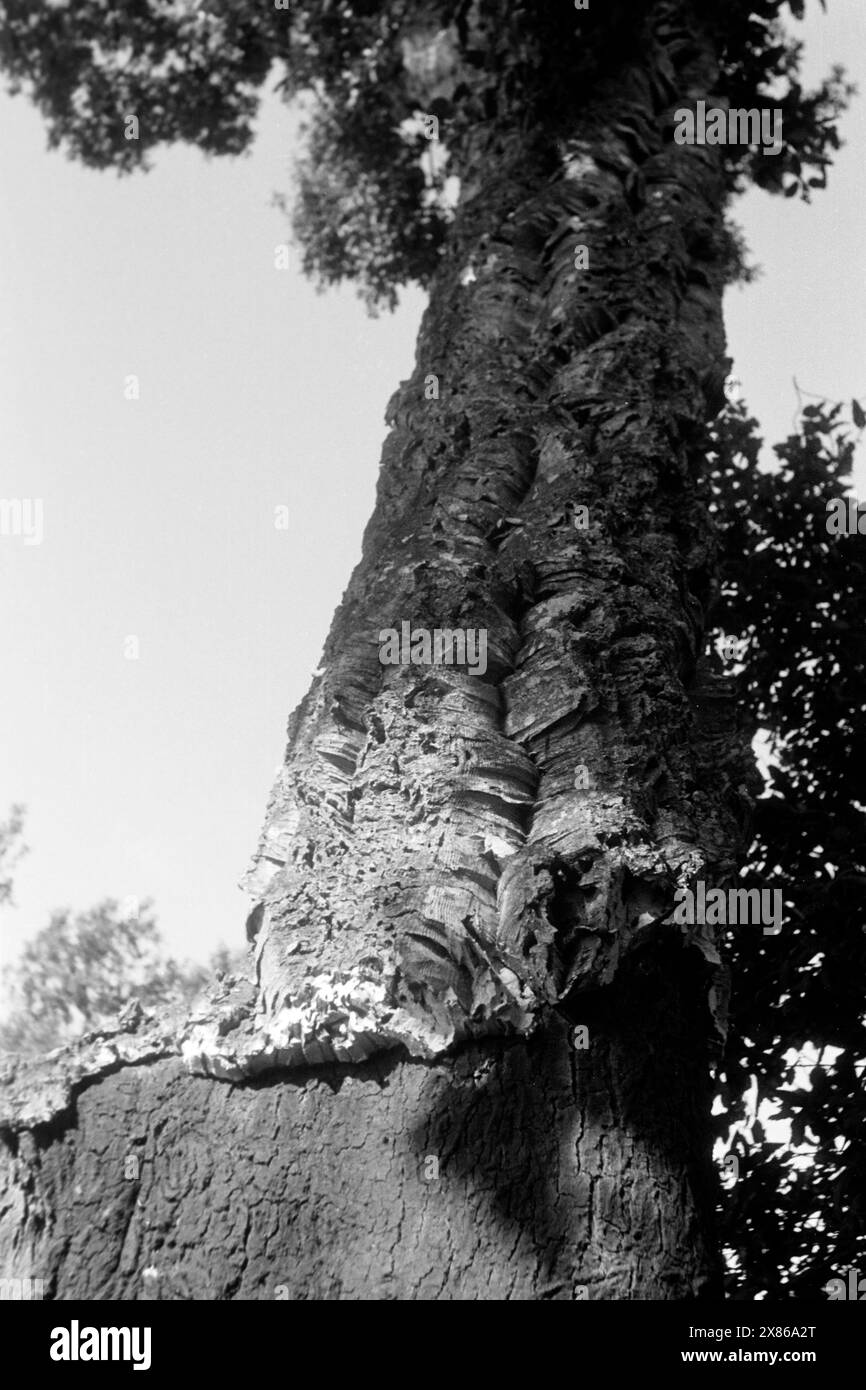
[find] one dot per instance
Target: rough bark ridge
(436, 899)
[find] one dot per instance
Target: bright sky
(149, 777)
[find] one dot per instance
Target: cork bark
(458, 869)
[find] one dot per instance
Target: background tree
(12, 848)
(456, 871)
(82, 969)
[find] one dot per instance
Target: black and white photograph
(433, 739)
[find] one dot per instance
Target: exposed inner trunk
(515, 1171)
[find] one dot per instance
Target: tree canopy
(371, 204)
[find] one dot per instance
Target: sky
(160, 634)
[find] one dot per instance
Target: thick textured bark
(515, 1171)
(440, 898)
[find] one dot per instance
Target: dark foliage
(794, 596)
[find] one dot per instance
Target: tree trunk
(476, 1060)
